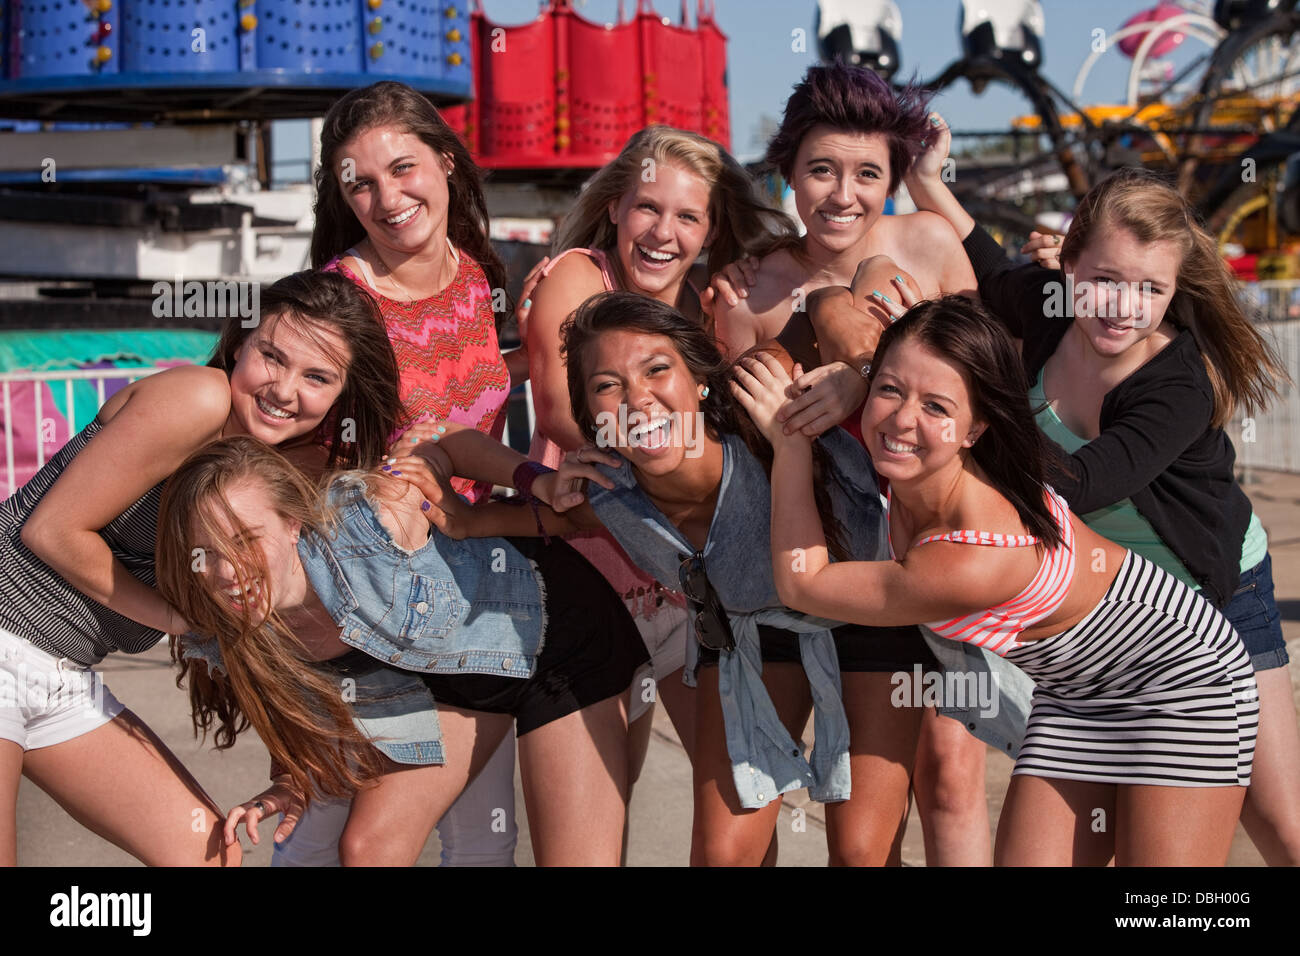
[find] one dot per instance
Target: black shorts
(592, 648)
(860, 649)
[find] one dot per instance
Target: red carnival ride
(563, 92)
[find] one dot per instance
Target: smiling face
(396, 185)
(644, 400)
(1122, 290)
(662, 226)
(261, 531)
(287, 376)
(840, 183)
(918, 416)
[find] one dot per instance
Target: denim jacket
(448, 607)
(766, 761)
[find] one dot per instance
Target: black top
(38, 604)
(1156, 446)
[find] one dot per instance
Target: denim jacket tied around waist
(766, 760)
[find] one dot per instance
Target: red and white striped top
(996, 629)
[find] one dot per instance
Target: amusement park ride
(140, 118)
(1224, 124)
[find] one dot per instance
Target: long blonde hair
(740, 221)
(1243, 369)
(297, 710)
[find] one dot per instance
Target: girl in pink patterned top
(400, 212)
(638, 226)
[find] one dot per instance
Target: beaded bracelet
(524, 476)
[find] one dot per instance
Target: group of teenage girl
(756, 499)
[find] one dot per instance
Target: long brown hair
(1242, 367)
(1011, 450)
(369, 409)
(390, 103)
(739, 220)
(298, 712)
(723, 414)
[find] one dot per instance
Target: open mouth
(242, 597)
(651, 436)
(274, 412)
(654, 258)
(841, 220)
(1113, 327)
(898, 447)
(403, 217)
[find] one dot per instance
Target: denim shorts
(1253, 612)
(391, 707)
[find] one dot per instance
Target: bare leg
(121, 782)
(391, 820)
(725, 834)
(679, 702)
(867, 830)
(575, 785)
(1048, 822)
(11, 771)
(1271, 815)
(949, 785)
(1176, 826)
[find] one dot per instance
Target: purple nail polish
(387, 468)
(397, 473)
(424, 506)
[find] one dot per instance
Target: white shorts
(47, 700)
(665, 637)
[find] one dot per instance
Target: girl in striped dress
(1145, 709)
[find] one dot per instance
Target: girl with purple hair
(844, 144)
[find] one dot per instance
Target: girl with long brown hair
(77, 552)
(309, 599)
(400, 211)
(1139, 356)
(1144, 705)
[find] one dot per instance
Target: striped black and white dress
(1152, 687)
(37, 604)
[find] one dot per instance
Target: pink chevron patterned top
(639, 589)
(996, 628)
(447, 353)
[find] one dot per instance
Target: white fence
(33, 430)
(1272, 439)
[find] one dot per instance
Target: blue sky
(763, 68)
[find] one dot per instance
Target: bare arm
(571, 283)
(163, 420)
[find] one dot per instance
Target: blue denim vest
(766, 761)
(448, 607)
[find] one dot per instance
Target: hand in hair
(760, 386)
(731, 284)
(280, 797)
(929, 162)
(1043, 249)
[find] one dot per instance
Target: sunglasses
(712, 629)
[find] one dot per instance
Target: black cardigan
(1156, 446)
